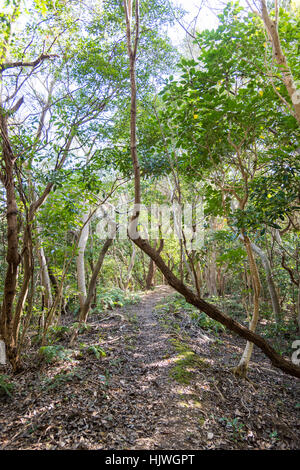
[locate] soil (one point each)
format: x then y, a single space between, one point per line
130 399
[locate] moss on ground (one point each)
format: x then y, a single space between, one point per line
187 363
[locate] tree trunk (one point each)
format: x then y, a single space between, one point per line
45 278
269 277
152 266
92 285
220 282
12 255
83 238
28 265
243 365
211 275
272 30
130 267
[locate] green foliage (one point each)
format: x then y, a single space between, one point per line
275 195
177 304
110 298
93 349
55 353
207 323
281 328
282 334
57 333
221 116
6 387
83 327
234 426
61 379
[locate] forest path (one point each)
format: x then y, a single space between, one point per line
159 415
134 398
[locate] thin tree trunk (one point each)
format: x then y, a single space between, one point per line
91 290
152 266
28 264
272 30
45 278
93 282
130 267
211 267
83 238
269 277
243 365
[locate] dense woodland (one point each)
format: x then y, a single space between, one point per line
150 221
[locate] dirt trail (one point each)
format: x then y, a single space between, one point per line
131 400
162 420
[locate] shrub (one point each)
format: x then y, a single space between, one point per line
60 379
111 298
55 353
6 387
207 323
176 304
57 333
95 349
83 327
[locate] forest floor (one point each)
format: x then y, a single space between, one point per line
153 390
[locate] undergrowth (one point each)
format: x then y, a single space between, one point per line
108 299
6 387
176 313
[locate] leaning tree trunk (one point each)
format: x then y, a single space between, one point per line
213 312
